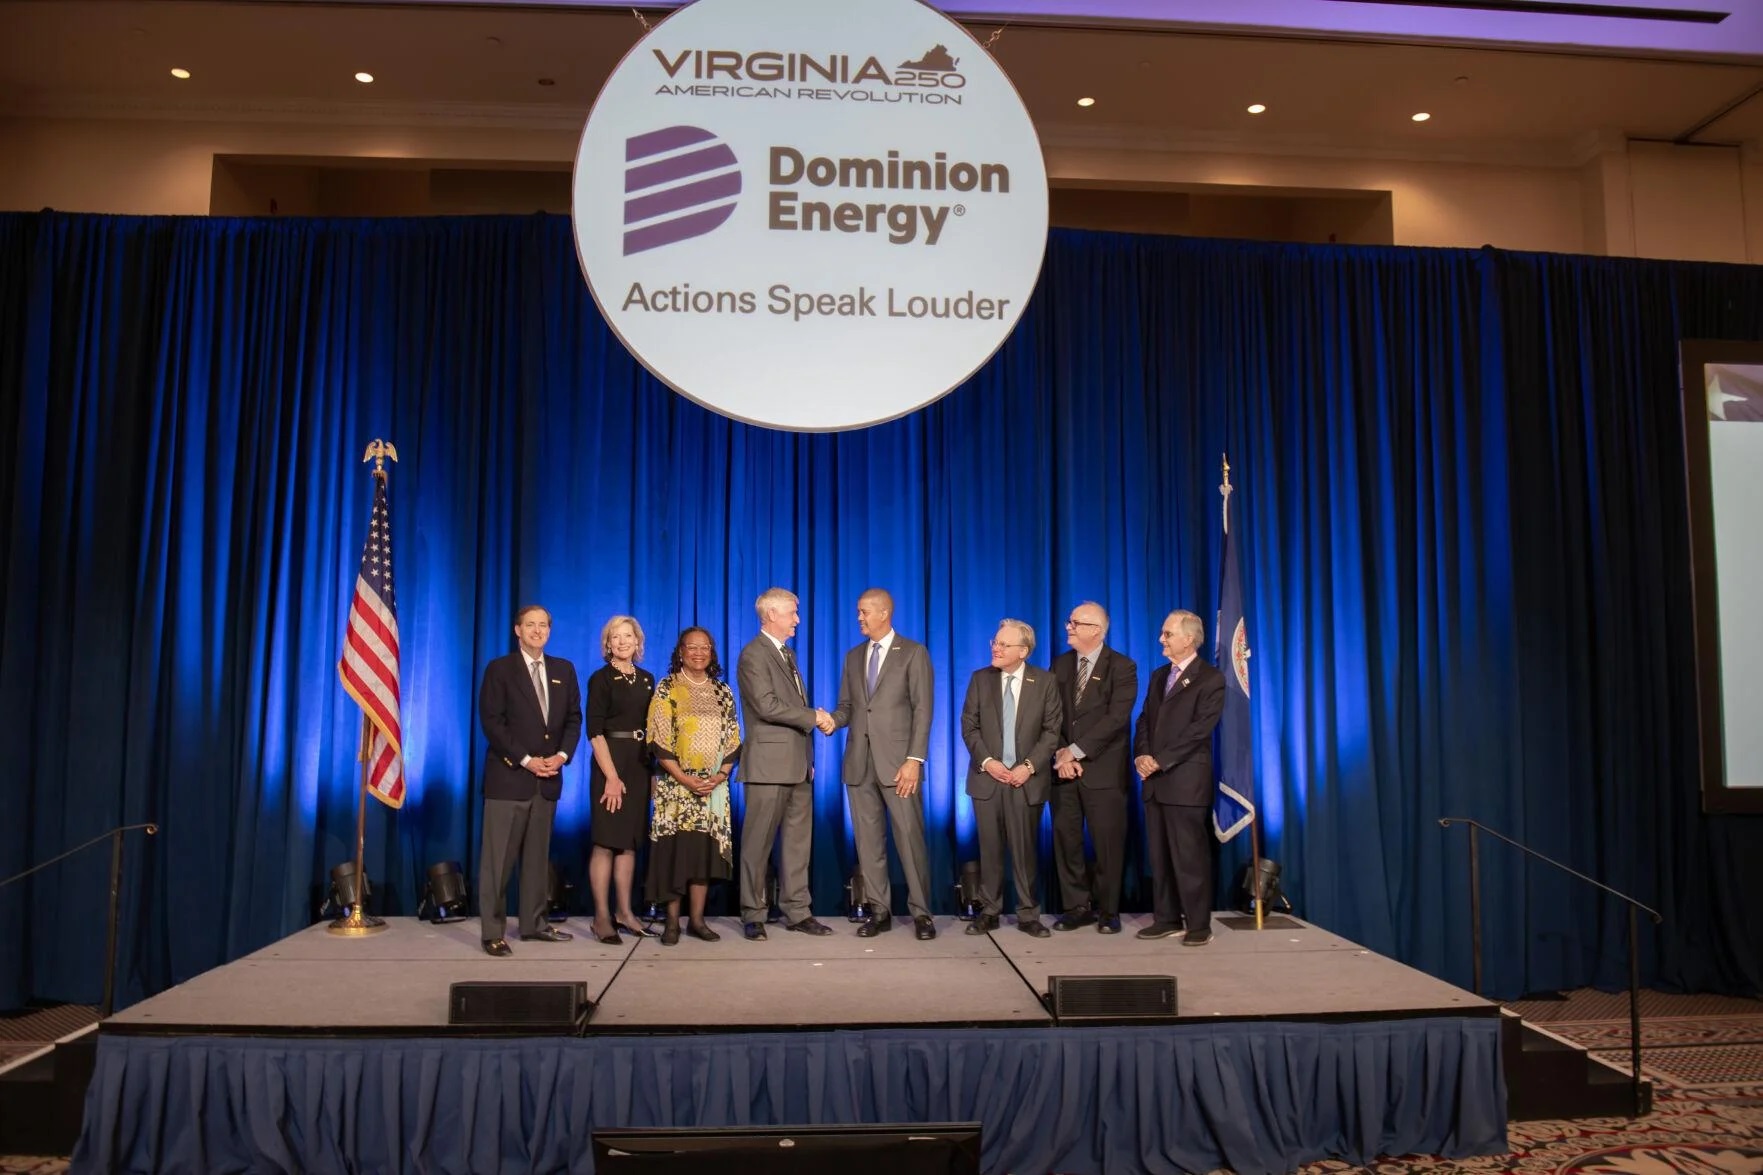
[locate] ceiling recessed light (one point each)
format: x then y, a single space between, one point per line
1257 108
1086 101
180 73
364 78
1421 117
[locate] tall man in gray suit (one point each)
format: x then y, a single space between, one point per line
1010 722
885 698
779 769
531 708
1097 688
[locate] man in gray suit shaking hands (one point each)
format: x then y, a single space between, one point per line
779 769
1010 722
885 699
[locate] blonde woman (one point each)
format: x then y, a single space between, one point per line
695 740
618 707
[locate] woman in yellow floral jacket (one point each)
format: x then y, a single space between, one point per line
696 741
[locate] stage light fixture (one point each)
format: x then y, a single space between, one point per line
1264 889
1257 108
444 898
181 74
857 905
364 78
967 905
344 891
1422 116
1086 101
557 895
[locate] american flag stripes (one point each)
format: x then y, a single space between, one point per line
369 668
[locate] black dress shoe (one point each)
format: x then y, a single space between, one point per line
549 934
1034 928
702 930
809 926
924 928
983 924
875 926
755 931
670 935
1074 919
498 947
1196 938
1108 924
611 940
1159 930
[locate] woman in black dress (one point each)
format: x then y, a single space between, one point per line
617 709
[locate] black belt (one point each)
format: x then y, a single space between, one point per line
636 734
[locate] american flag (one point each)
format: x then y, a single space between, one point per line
369 667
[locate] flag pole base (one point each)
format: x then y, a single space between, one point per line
357 924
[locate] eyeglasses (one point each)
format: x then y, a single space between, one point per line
1008 645
696 649
1083 624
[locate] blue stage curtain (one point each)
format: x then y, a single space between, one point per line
1461 510
1257 1098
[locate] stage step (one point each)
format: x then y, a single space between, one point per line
1549 1077
43 1098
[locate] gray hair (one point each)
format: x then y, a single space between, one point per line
1027 631
1190 624
772 600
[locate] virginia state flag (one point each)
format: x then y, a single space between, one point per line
1233 806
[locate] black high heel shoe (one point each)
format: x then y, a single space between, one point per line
670 935
610 940
639 931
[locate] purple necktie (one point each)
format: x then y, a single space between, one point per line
1174 676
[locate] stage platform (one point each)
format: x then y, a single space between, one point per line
1291 1044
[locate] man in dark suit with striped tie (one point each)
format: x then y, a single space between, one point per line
1173 745
1097 689
531 709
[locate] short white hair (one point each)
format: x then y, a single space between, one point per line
773 600
1027 631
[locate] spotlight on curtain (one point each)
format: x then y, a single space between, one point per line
443 898
857 906
558 893
344 892
1265 889
967 892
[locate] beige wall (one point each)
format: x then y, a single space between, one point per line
1644 199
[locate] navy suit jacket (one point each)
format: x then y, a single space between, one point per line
1177 732
508 706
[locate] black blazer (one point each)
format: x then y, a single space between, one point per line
508 706
1102 723
1177 732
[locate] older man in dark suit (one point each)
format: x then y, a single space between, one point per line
885 698
1173 745
1010 723
1097 689
778 764
531 709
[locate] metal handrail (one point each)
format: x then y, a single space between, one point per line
1635 905
115 838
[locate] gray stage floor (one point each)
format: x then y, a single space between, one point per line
397 981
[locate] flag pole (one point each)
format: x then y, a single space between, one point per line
1254 807
358 922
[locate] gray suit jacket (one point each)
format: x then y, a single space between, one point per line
1038 715
891 725
774 746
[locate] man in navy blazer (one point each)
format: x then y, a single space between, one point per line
531 709
1173 749
1009 775
1097 689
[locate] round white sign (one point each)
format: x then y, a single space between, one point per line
810 214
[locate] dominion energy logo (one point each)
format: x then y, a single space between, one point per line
810 214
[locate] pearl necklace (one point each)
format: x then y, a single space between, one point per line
693 680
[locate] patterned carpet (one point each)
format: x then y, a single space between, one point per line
1704 1054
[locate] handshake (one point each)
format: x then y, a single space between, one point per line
823 721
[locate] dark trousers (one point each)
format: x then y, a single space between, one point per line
1008 819
514 830
1180 845
1104 809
